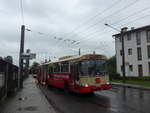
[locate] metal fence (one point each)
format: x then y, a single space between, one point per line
8 78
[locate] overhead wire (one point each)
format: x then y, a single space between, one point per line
137 19
132 21
125 18
22 11
114 13
93 17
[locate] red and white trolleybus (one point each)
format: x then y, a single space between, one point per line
81 74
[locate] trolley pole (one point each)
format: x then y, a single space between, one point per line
20 57
79 51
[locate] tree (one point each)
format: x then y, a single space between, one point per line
35 64
112 67
1 57
33 67
9 59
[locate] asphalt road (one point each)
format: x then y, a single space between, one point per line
116 100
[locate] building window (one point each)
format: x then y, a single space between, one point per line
130 67
129 51
148 51
121 67
128 36
149 67
140 70
121 52
138 38
2 79
148 36
120 39
139 53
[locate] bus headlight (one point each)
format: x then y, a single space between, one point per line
108 83
86 85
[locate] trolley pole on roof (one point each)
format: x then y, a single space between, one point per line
79 52
20 80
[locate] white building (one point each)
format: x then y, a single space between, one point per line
137 51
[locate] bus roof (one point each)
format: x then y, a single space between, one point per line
87 56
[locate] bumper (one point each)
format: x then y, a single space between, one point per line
94 88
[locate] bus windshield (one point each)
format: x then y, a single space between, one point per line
93 67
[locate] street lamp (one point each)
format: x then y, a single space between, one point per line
123 53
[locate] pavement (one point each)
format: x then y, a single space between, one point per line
130 86
30 99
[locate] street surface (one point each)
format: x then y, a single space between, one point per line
116 100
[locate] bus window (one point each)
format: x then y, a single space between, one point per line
45 68
50 71
93 67
75 71
56 68
65 67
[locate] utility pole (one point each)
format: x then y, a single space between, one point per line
123 53
20 78
123 30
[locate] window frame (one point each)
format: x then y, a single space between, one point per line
62 67
121 52
148 36
131 68
139 53
129 36
56 68
148 51
138 38
130 51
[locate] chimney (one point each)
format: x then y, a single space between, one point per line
94 52
132 28
124 29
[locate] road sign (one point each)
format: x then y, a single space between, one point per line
33 55
28 55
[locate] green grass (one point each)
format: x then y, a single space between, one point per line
142 83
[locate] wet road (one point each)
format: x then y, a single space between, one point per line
116 100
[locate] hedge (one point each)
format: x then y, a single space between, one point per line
143 78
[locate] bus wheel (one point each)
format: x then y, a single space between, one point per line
66 90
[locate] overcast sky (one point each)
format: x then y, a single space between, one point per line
74 24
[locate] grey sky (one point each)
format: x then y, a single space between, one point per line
67 19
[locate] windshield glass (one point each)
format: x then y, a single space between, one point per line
94 67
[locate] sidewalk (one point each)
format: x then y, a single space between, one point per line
28 100
130 86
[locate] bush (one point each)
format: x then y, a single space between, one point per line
134 78
138 78
114 76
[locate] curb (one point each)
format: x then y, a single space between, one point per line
55 108
130 86
48 100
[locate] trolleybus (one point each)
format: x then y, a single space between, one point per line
81 74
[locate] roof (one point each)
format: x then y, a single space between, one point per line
134 30
79 57
4 61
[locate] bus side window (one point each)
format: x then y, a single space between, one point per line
75 71
50 71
